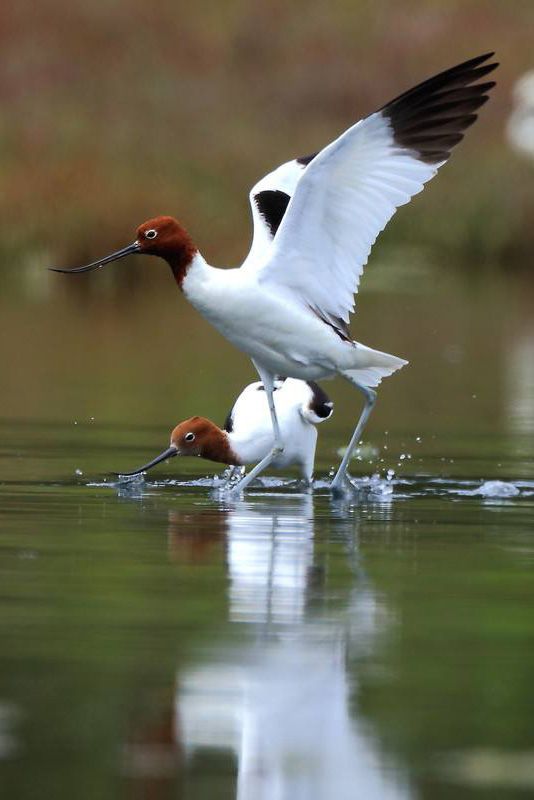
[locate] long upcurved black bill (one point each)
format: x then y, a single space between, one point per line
168 453
126 251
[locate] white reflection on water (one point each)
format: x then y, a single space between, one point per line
9 743
270 556
520 384
280 702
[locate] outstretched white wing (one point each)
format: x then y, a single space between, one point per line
352 188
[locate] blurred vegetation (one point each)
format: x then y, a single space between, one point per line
114 112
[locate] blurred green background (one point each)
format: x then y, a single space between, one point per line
115 112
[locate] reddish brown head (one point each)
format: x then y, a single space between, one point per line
198 436
195 437
160 236
166 238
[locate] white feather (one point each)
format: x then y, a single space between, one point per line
341 202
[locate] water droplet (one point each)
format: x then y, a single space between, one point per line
29 554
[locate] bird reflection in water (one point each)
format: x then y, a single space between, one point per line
275 701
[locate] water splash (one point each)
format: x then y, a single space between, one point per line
378 487
495 489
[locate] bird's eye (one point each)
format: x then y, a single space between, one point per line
151 234
189 437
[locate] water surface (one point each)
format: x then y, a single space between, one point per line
160 640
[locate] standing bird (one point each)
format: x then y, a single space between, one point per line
315 221
247 436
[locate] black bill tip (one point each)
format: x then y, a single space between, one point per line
170 452
130 250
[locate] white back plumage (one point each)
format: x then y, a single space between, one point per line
300 406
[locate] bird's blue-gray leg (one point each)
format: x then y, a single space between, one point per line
267 379
370 399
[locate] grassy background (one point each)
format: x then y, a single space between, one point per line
112 112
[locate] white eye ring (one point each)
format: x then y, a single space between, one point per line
151 234
189 437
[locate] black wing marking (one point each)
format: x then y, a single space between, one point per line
229 421
272 203
337 324
272 206
320 403
430 118
305 160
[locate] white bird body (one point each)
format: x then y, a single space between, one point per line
248 434
283 336
251 436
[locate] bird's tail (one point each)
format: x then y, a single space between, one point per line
375 366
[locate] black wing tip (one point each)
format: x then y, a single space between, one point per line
482 88
471 65
430 118
478 59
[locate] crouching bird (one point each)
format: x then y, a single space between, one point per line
247 436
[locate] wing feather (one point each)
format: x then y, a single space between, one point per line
350 190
